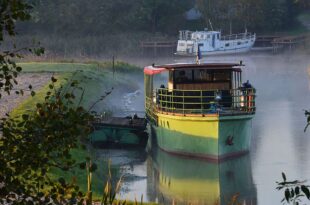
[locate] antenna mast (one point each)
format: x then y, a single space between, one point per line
211 25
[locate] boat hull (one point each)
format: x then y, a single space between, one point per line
119 132
210 137
119 138
217 52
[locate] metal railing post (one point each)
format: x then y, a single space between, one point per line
160 99
183 104
172 102
201 105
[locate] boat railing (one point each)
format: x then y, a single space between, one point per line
224 102
240 36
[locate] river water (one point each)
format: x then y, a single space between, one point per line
279 143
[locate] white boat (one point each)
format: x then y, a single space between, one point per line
213 43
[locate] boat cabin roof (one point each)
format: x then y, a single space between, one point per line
205 32
156 69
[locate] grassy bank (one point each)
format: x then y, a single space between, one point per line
96 78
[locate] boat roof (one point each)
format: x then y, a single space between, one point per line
203 32
156 69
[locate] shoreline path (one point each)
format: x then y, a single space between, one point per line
9 102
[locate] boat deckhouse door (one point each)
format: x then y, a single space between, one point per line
213 40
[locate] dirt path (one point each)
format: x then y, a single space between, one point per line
9 102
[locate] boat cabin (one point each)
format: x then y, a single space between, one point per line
203 78
213 42
199 88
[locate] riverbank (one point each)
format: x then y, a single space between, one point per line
96 78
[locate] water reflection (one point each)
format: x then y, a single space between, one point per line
189 181
279 143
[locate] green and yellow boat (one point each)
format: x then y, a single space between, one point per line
202 111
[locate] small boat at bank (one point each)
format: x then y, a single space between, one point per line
119 132
213 43
203 111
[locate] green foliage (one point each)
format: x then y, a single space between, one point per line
256 15
10 12
163 16
294 191
81 17
34 143
99 27
303 4
160 16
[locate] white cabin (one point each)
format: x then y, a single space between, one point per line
212 42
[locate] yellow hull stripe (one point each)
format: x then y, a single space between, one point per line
207 126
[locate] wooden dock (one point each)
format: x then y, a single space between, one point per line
264 42
158 47
290 42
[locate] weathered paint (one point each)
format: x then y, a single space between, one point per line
205 137
239 129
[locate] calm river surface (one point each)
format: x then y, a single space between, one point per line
279 143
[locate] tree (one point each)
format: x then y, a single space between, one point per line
11 11
34 143
303 4
147 15
31 144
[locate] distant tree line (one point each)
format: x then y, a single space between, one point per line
99 17
99 26
257 15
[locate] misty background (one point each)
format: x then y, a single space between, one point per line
97 28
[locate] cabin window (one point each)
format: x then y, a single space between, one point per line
218 36
181 44
202 75
227 44
221 76
183 76
208 36
239 43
